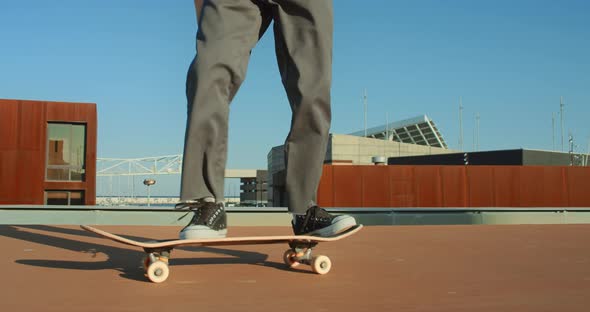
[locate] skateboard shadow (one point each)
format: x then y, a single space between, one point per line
126 260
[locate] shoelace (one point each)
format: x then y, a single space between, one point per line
315 214
210 214
188 209
183 216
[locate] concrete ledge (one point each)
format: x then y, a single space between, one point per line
247 216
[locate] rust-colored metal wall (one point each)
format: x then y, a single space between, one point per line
454 186
23 140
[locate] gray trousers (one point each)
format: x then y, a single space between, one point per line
228 30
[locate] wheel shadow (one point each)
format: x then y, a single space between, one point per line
126 261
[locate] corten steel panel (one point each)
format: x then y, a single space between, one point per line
578 182
453 186
402 187
31 162
8 149
21 157
375 188
347 186
531 187
29 177
31 132
428 186
8 175
72 112
8 125
480 186
542 186
506 186
554 186
458 186
325 189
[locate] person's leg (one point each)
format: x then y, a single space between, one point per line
228 30
303 38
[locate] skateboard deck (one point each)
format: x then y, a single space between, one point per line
300 252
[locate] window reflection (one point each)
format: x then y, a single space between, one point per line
66 152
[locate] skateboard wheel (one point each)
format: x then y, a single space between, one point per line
158 271
289 258
321 265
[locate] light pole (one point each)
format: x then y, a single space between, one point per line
148 183
461 123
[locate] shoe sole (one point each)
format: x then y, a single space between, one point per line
202 233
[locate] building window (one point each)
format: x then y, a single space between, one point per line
66 152
64 198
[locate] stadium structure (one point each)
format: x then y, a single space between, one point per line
419 130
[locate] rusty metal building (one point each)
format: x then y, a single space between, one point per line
47 153
454 186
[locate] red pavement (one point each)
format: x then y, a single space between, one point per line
396 268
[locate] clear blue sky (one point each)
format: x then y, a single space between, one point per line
510 60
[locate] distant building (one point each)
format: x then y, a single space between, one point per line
515 157
415 136
254 189
47 153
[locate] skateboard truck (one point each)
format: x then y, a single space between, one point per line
301 252
155 263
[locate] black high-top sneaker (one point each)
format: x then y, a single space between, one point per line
209 221
318 222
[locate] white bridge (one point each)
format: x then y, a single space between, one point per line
120 180
159 165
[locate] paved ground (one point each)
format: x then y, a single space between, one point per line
401 268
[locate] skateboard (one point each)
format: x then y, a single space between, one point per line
155 263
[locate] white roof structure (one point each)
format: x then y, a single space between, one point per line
160 165
419 130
